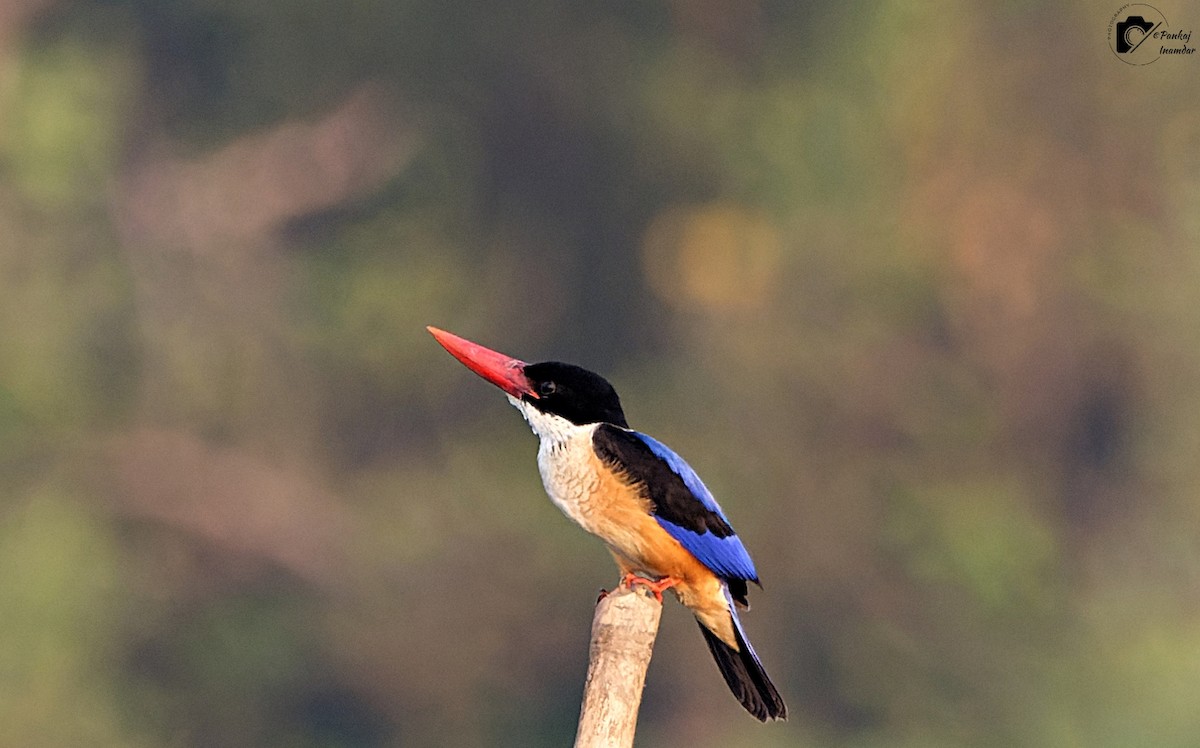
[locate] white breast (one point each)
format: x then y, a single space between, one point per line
565 462
569 477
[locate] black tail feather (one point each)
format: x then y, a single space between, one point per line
746 676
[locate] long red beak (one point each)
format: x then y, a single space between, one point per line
505 372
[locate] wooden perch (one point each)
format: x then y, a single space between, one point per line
623 632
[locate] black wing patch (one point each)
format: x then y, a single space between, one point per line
672 499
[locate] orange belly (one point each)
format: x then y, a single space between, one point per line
622 519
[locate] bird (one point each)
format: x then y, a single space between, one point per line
659 521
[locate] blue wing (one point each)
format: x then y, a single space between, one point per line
722 552
683 505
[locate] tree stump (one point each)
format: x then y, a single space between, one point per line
623 631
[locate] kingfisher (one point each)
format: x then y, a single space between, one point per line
659 521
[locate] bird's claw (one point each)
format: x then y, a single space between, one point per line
656 586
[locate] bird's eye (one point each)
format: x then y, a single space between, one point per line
545 389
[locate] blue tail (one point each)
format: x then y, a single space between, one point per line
744 673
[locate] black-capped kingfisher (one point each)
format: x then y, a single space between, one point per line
661 524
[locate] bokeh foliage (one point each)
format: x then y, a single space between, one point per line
914 286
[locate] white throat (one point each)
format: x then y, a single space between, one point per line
551 429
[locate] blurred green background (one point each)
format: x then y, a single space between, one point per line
915 287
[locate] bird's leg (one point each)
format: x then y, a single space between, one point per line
656 586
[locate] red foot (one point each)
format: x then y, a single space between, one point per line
656 586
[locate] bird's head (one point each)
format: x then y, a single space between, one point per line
544 392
